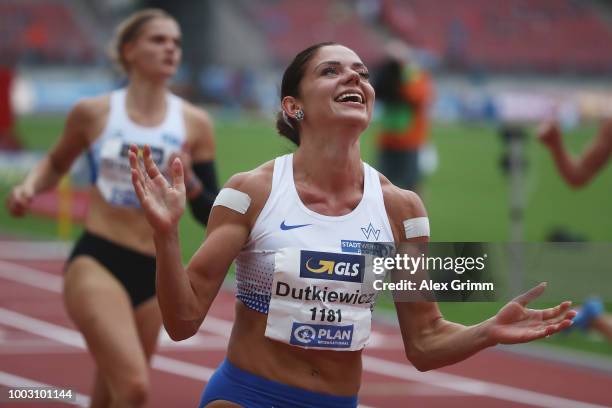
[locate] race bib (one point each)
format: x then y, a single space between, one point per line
321 300
115 178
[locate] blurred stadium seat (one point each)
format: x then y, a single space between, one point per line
43 32
506 35
293 25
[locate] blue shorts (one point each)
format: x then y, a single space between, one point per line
233 384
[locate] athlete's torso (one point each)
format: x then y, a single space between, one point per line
285 222
114 211
109 153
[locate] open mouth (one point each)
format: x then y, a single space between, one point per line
350 97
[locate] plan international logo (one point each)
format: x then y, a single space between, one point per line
319 335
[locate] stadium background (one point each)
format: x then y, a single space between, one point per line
495 64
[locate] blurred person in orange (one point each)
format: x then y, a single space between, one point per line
109 285
405 91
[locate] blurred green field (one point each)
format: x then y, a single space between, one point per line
467 197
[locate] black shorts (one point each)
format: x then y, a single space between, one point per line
135 271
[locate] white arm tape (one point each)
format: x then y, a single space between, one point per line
416 227
233 199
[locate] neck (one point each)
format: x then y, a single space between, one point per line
145 96
331 160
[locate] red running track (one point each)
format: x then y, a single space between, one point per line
39 345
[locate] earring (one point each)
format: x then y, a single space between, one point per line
299 115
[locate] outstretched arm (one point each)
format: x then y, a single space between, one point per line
47 173
430 341
578 172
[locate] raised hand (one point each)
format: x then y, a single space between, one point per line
20 200
185 157
549 134
515 323
192 183
162 202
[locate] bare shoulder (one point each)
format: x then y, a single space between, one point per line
86 120
84 123
199 127
195 116
400 205
257 184
88 116
92 108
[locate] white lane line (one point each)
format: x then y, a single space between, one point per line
403 389
17 344
198 341
41 328
48 281
11 380
470 386
217 326
406 372
441 380
34 251
31 276
73 338
182 368
54 283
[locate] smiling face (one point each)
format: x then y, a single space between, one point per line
156 50
335 87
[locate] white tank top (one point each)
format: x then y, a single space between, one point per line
308 271
109 154
285 221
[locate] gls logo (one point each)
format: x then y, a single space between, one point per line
332 266
157 154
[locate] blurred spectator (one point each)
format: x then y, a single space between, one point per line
592 316
369 10
457 44
578 173
7 118
404 90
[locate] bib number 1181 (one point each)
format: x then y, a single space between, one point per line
326 315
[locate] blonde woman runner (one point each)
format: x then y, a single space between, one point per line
109 286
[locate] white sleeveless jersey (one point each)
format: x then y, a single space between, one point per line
109 154
297 261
